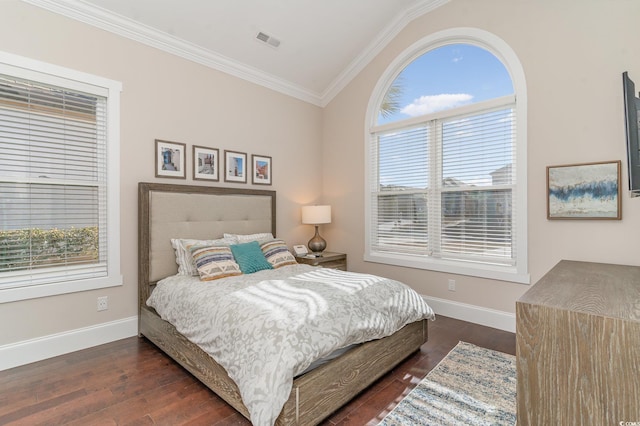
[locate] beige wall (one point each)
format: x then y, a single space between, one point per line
573 54
169 98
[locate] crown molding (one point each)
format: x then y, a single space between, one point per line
98 17
103 19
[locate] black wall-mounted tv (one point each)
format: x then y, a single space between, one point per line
632 121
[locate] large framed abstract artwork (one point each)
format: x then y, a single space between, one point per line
584 191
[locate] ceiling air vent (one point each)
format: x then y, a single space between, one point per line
266 38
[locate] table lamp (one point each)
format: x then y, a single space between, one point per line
316 215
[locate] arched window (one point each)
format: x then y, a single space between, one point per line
446 172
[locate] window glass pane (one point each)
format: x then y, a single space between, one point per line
477 223
56 142
403 159
478 150
48 225
400 191
402 222
444 78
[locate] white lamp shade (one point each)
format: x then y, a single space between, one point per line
316 215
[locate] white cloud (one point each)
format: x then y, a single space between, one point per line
457 55
428 104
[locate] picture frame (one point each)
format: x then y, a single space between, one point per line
235 166
170 159
206 163
261 169
584 191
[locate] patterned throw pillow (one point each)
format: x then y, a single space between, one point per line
277 253
214 262
250 257
186 266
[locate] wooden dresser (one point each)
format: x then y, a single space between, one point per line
578 346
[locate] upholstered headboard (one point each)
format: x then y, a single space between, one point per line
168 211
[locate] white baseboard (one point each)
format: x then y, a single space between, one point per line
471 313
28 351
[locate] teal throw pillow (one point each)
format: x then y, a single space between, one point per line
250 257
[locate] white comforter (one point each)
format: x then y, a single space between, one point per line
267 327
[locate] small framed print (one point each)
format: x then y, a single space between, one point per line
235 166
170 159
261 170
205 163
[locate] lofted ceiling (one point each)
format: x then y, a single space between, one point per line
323 44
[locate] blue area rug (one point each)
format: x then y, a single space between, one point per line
470 386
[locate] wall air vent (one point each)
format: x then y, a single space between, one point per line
266 38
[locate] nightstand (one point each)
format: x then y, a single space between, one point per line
328 260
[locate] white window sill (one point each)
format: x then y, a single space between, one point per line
496 272
8 295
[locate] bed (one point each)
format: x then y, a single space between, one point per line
168 211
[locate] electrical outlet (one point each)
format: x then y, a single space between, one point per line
452 285
103 303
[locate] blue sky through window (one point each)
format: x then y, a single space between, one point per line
448 77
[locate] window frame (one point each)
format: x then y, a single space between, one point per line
496 46
34 70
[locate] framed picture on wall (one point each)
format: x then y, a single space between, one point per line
584 191
170 159
261 170
235 166
205 163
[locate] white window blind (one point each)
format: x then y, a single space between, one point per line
53 184
477 186
443 185
401 191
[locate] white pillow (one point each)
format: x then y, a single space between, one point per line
186 265
247 238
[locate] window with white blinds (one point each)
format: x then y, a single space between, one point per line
458 206
443 190
56 219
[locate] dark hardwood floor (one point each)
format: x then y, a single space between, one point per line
131 382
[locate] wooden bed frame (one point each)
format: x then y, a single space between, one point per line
168 211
